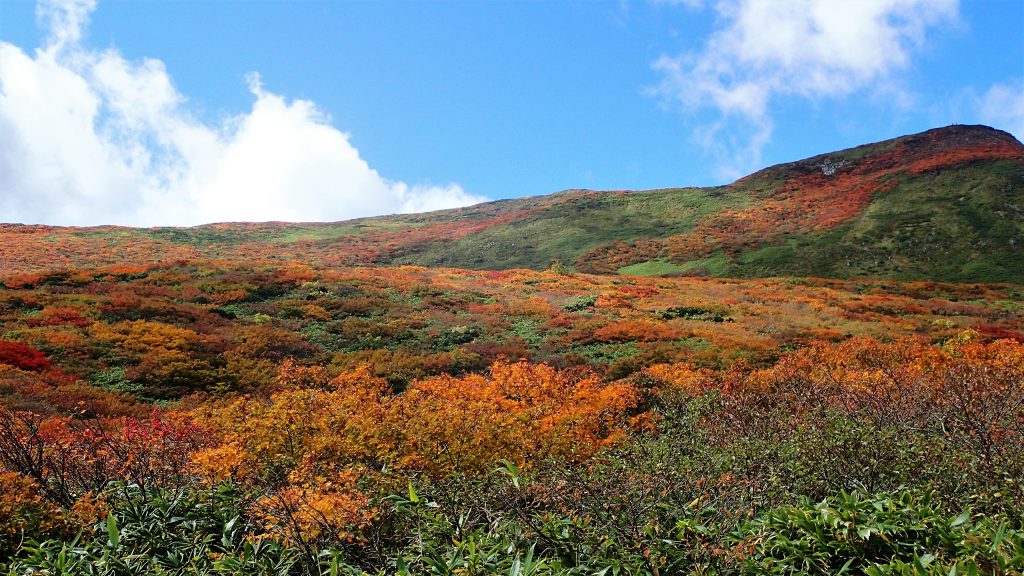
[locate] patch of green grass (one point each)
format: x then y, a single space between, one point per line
566 230
768 260
717 264
319 233
580 303
528 330
339 230
607 352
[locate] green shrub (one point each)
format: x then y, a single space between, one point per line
878 534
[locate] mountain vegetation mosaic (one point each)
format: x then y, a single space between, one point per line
818 369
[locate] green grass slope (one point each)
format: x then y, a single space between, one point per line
961 224
564 231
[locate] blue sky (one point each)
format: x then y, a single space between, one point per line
181 113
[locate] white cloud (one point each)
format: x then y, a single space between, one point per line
66 20
1002 106
88 137
811 49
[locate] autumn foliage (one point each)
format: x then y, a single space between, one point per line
25 514
318 449
313 400
70 457
23 357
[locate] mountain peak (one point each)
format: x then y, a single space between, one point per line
916 153
966 135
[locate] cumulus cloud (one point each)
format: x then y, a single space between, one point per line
810 49
90 137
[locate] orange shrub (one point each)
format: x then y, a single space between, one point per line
311 446
24 514
520 412
682 377
635 331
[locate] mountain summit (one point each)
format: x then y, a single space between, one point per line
945 204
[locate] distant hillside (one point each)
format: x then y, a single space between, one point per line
946 204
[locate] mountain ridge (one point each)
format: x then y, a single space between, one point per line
944 204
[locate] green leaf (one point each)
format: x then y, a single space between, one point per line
510 469
113 534
959 520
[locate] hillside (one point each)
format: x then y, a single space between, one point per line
946 204
258 399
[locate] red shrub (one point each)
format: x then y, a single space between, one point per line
996 332
22 356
